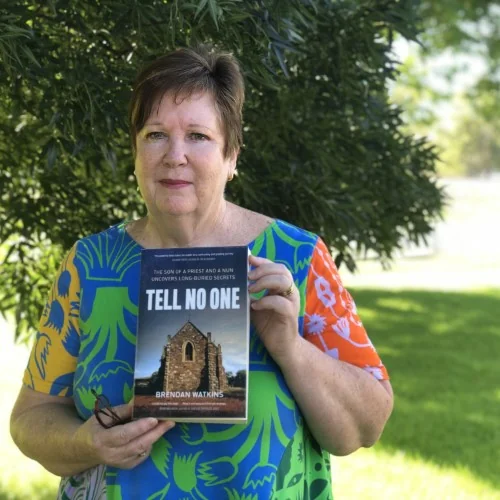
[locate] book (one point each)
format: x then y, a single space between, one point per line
192 344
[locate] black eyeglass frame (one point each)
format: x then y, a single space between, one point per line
102 406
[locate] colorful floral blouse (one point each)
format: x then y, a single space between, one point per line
86 340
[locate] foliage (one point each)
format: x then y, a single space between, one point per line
472 146
466 138
238 380
324 149
467 33
464 26
416 97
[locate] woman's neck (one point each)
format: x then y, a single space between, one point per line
182 231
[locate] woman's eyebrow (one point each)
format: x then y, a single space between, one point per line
194 125
197 125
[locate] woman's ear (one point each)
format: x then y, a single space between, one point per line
233 160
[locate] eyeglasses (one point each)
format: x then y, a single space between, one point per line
102 406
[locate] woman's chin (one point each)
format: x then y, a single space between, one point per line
174 209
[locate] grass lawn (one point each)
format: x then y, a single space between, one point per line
20 478
443 439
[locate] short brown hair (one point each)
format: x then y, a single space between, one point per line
185 72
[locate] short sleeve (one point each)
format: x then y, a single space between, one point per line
53 359
331 319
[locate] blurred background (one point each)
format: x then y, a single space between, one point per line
429 296
433 312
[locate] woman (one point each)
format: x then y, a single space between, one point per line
316 385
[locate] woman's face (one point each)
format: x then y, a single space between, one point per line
180 166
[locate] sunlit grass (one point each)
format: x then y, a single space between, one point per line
443 439
20 478
376 474
27 488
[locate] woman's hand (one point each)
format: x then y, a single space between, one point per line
275 315
123 446
48 429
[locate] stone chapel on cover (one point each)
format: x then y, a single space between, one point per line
190 361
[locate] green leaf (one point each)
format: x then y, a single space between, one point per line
161 456
201 5
214 12
128 393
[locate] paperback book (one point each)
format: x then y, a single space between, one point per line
192 346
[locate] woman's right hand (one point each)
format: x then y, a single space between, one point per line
125 445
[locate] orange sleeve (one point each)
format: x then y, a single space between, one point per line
331 321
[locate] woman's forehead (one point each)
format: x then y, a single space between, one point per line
197 108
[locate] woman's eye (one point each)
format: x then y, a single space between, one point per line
154 136
198 137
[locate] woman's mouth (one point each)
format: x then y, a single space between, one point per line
174 183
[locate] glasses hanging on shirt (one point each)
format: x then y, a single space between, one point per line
102 408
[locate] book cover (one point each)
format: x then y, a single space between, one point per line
192 351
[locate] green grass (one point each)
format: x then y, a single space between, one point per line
20 478
442 351
443 439
42 489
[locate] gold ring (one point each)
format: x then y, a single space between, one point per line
288 292
142 455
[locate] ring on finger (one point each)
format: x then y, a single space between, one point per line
288 292
142 455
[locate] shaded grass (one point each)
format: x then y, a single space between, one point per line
442 351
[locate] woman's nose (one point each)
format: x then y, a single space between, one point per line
175 153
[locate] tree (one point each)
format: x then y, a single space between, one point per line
471 26
468 34
324 149
472 147
240 379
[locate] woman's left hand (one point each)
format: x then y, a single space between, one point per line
275 315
